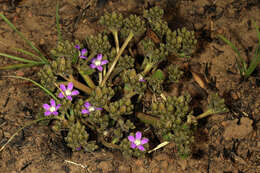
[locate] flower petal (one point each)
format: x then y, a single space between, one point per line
53 103
62 87
104 62
99 109
93 66
55 113
61 95
138 135
69 98
77 47
58 106
70 86
75 92
144 141
83 57
100 68
131 138
83 51
133 145
140 147
47 113
93 60
46 106
99 57
87 104
84 111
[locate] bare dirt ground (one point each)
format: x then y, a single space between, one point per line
227 143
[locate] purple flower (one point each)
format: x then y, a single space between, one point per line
89 109
51 109
81 52
137 141
68 91
141 78
97 62
78 148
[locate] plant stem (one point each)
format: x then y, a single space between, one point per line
128 39
148 119
147 68
205 114
87 79
79 85
115 34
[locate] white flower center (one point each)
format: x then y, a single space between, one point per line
52 109
68 92
97 63
91 108
137 142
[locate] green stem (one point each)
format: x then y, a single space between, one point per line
115 34
87 79
147 68
148 119
128 39
205 114
29 124
79 85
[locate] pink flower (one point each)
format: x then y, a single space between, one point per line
137 141
97 62
89 109
51 109
82 52
68 92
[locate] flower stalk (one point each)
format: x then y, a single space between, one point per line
128 39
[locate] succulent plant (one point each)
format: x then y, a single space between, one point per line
112 21
181 42
99 92
174 73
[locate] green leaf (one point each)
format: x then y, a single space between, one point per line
256 59
240 62
18 58
17 66
42 58
158 74
37 84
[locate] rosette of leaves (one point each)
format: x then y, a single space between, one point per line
181 42
47 77
66 49
121 107
78 137
113 21
153 14
132 83
153 55
174 73
160 28
98 43
101 96
135 24
172 126
157 24
155 82
217 104
49 73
